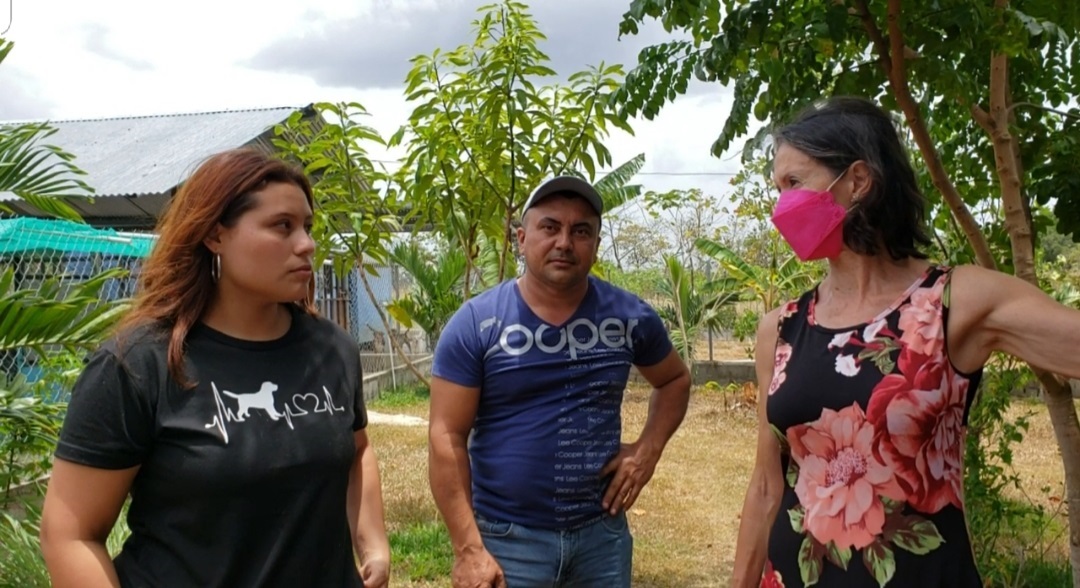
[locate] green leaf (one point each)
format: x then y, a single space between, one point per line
880 561
884 363
55 207
839 557
5 48
796 516
781 438
792 476
810 561
40 318
891 506
917 535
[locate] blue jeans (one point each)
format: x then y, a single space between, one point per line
598 554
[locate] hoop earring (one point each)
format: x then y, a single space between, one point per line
215 268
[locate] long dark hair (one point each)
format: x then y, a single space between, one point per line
175 284
842 130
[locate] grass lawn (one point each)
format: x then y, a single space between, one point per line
687 518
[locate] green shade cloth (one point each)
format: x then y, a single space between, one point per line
24 235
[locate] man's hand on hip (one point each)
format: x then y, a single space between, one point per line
632 467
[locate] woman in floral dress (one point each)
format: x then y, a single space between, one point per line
867 379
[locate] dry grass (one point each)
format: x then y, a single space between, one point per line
723 350
686 520
1037 461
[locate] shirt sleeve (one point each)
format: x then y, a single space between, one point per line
651 340
458 355
110 421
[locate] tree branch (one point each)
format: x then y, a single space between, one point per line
466 245
394 345
584 127
510 206
1044 108
1016 220
457 132
881 46
891 58
982 118
897 70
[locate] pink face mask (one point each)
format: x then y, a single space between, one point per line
811 222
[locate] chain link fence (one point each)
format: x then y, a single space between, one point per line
357 302
36 250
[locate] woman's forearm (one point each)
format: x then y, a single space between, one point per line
79 564
370 538
751 549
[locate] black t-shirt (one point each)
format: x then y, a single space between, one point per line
243 479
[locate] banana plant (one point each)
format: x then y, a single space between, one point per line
771 284
615 188
693 308
40 318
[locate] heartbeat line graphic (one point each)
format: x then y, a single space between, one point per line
300 405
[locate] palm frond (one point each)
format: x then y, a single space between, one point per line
42 175
735 265
615 188
5 48
40 318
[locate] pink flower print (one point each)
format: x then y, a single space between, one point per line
921 321
918 414
840 480
771 578
780 360
789 309
847 365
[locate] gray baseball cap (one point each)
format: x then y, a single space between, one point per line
571 184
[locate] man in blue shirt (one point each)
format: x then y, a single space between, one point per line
526 461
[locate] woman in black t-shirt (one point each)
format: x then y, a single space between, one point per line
230 413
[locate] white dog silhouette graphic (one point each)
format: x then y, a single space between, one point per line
262 400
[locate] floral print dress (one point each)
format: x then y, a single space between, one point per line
871 422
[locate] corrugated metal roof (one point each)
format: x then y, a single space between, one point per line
142 155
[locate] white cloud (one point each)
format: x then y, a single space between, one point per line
77 59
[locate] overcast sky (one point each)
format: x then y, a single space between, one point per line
75 59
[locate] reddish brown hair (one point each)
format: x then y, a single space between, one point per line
175 285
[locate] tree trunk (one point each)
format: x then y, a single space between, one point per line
614 246
996 123
469 262
386 325
1059 403
504 254
1058 393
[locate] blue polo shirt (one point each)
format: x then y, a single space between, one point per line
549 417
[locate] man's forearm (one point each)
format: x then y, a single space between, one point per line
667 408
451 482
